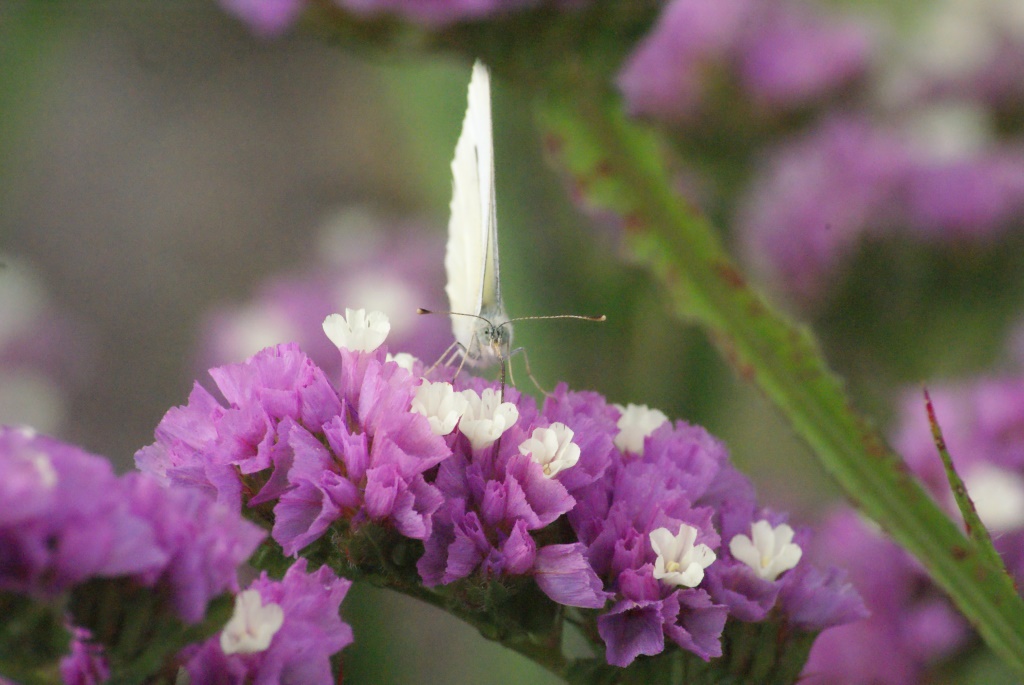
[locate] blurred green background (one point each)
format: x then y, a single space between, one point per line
156 159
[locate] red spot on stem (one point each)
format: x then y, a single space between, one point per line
730 274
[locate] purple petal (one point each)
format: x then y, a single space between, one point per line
414 509
518 551
564 574
468 549
697 624
301 515
630 629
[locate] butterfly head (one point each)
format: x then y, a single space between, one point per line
493 339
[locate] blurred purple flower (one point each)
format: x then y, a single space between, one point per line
394 273
287 636
664 78
437 12
273 17
266 17
86 664
818 197
973 197
204 542
67 518
782 52
44 352
790 54
911 624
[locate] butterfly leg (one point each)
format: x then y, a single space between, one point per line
449 353
529 372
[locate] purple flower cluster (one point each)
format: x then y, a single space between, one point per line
67 519
290 437
281 632
847 181
594 502
780 52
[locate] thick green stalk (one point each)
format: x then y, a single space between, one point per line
618 165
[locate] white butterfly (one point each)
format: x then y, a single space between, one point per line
479 322
482 328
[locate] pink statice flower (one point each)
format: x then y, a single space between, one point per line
281 632
603 507
498 491
318 451
68 519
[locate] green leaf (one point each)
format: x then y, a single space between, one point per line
976 530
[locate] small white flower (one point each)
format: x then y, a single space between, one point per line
679 561
770 552
37 463
403 359
998 497
358 330
486 417
252 625
442 406
552 448
636 423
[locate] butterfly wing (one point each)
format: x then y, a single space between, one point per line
471 260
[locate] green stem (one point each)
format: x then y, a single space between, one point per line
618 166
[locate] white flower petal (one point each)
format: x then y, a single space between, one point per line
252 625
552 448
768 551
679 562
486 417
358 330
403 359
998 495
442 406
636 423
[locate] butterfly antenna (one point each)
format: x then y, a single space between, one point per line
421 310
596 319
